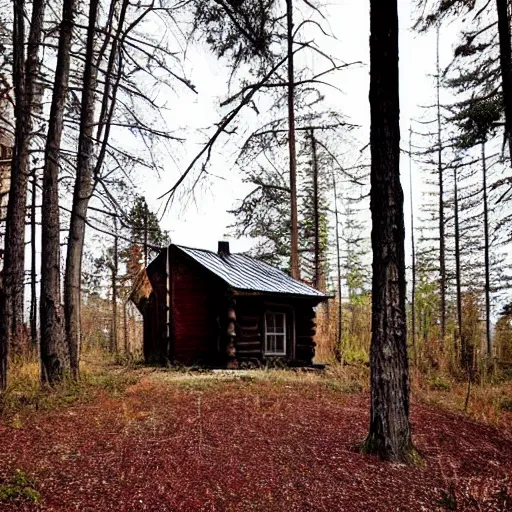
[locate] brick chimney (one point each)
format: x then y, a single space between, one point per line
223 249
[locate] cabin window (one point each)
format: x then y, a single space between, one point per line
275 333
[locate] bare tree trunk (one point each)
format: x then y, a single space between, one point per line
115 263
11 312
390 433
294 240
457 270
317 257
338 353
125 327
54 350
442 260
506 67
486 257
12 299
84 185
33 264
413 251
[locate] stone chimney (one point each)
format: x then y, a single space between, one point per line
223 249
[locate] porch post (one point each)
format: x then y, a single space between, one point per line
232 362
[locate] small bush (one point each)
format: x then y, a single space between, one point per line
437 383
19 487
506 404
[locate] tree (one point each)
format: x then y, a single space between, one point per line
24 78
54 350
266 32
502 10
81 195
390 432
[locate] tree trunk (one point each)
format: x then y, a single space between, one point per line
390 433
486 256
33 263
338 354
506 67
115 264
11 312
463 348
125 327
294 240
84 185
12 299
413 263
317 280
442 257
54 350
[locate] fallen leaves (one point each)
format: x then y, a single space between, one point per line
246 446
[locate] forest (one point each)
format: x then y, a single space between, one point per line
359 153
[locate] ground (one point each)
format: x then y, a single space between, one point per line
261 441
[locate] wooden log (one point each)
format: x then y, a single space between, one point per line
306 345
250 329
250 319
253 337
241 344
246 352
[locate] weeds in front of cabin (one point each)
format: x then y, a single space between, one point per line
19 487
25 392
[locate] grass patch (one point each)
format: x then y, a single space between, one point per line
438 383
19 487
26 394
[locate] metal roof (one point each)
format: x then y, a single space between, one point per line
242 272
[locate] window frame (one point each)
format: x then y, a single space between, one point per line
267 333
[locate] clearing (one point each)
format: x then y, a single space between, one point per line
161 440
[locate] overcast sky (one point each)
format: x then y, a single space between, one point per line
203 221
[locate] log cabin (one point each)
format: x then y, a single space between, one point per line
221 309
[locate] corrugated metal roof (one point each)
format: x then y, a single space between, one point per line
242 272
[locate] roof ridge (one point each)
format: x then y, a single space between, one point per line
244 272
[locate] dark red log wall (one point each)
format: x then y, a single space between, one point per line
197 297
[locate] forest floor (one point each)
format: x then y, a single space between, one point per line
153 439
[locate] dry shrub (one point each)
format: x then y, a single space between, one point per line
356 331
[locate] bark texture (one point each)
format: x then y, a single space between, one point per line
54 350
24 73
317 280
413 258
294 239
458 285
390 433
488 338
84 185
442 251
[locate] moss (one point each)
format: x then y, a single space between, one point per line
407 454
20 487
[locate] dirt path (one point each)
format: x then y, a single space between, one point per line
247 445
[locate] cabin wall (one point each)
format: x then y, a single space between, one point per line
250 328
196 299
305 328
155 313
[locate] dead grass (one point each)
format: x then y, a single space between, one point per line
490 402
25 394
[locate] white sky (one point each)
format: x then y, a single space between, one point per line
201 223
